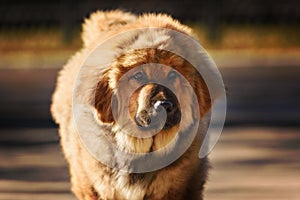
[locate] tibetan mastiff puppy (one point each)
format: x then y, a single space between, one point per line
134 62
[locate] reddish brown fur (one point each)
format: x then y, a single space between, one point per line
102 104
144 56
181 180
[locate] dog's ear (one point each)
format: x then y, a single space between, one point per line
203 96
103 98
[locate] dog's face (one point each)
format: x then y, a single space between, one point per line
151 95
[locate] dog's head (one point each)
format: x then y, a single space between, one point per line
158 88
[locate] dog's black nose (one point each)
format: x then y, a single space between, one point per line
167 105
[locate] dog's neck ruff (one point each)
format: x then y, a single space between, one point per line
95 138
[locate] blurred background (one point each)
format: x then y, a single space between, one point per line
254 43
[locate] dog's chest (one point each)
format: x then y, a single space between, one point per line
154 185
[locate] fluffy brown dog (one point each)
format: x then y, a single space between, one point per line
137 62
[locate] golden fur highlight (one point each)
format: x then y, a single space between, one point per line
90 179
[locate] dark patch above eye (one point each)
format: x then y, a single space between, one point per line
172 75
139 76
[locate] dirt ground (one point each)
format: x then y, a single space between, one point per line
248 163
256 163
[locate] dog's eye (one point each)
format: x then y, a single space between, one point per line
172 75
139 76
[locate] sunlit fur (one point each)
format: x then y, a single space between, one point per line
90 179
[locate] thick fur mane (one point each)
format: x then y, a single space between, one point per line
94 68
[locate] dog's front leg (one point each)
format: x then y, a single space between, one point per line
82 188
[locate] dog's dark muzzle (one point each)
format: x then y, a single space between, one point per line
161 106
